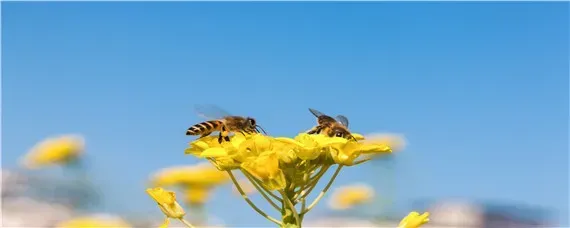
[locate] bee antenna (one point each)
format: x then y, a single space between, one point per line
259 127
352 136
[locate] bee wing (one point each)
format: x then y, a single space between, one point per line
316 113
343 120
210 111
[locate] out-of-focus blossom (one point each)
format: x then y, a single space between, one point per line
340 222
246 186
166 201
202 174
94 221
349 196
54 151
396 142
414 220
196 195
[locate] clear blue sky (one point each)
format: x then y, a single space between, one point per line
480 90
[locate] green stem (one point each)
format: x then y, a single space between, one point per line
289 212
186 223
312 184
244 196
320 196
262 190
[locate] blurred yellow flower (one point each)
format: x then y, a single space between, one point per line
94 221
396 142
414 220
246 186
348 196
166 201
202 174
54 151
196 195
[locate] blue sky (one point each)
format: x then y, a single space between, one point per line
479 89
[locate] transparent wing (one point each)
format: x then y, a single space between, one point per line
316 113
208 111
343 120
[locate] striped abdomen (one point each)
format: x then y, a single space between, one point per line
205 128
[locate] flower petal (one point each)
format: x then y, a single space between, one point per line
214 153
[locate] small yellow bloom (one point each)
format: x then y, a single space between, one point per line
246 186
414 220
94 221
346 154
266 168
53 151
166 201
202 174
197 195
346 197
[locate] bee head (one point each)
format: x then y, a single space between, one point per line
341 133
250 122
252 126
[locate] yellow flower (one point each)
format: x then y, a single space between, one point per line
53 151
197 195
346 154
266 168
209 147
202 174
414 220
94 221
310 147
166 201
351 195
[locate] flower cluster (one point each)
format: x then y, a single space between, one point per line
290 167
276 160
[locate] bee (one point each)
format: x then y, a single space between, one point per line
223 122
329 126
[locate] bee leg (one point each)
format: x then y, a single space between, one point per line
227 138
220 137
315 130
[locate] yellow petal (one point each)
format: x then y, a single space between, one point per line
289 141
375 148
200 144
357 136
166 201
329 141
214 153
414 220
261 143
165 223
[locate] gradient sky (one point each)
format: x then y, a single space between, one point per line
479 89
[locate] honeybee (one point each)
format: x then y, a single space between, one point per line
332 127
223 122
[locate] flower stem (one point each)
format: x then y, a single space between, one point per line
288 203
262 190
320 196
186 223
312 184
244 196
